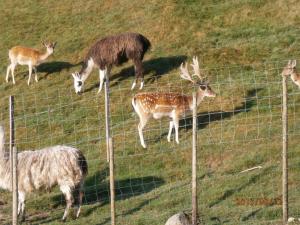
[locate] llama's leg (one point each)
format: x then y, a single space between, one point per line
142 124
66 190
7 72
138 66
21 205
12 67
35 74
102 74
170 131
133 84
30 72
79 196
135 79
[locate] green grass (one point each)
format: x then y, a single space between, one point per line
242 45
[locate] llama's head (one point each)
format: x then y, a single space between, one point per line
78 82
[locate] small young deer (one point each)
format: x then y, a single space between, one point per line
27 56
290 70
173 105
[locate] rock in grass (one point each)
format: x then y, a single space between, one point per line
179 219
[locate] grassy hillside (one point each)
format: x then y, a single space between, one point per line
242 44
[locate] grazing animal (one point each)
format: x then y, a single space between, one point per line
290 70
173 105
27 56
43 169
179 219
113 50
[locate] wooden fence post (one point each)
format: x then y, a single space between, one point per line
13 162
194 164
112 182
110 153
107 116
284 151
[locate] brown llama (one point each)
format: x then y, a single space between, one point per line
113 50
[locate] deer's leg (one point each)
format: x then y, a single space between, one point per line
7 72
170 131
102 74
35 74
142 124
176 125
30 72
12 67
66 190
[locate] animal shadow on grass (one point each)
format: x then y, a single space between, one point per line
157 67
205 118
54 67
97 191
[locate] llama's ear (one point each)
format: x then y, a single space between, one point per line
294 63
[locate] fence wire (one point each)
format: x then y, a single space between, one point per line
237 130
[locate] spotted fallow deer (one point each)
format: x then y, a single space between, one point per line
173 105
290 70
27 56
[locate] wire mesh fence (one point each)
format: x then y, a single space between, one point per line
239 129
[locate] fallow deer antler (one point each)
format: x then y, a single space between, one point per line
196 69
185 73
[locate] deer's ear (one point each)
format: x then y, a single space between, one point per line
294 63
43 43
74 75
54 44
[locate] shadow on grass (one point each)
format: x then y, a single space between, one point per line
124 189
156 67
97 191
55 67
205 118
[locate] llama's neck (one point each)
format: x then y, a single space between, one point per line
87 69
5 174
